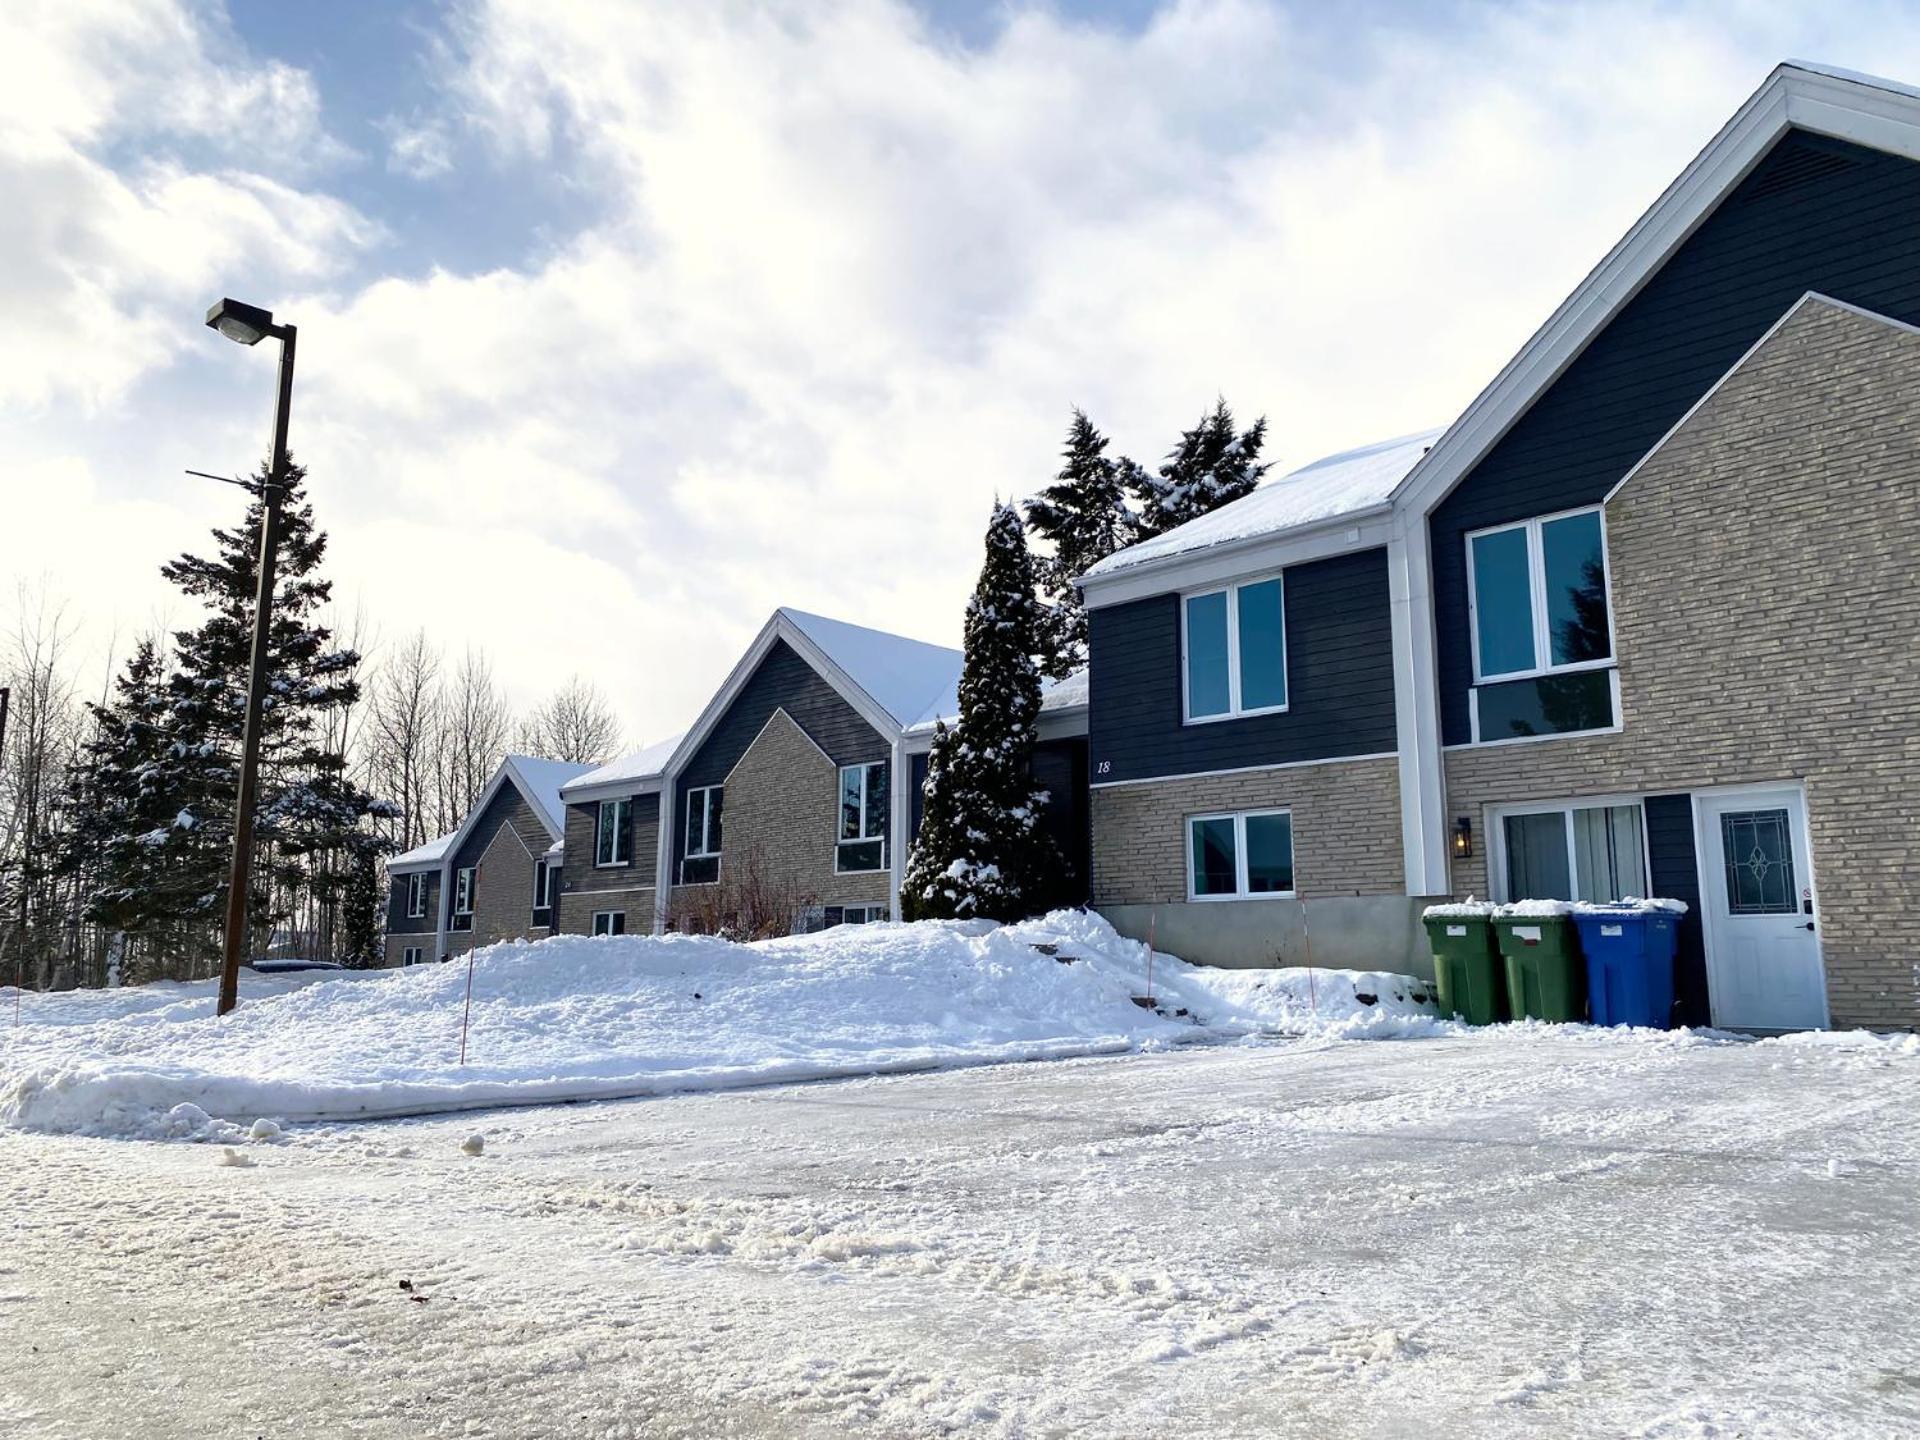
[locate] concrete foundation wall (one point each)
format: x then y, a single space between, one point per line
1366 932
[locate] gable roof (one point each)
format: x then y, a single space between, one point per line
424 856
540 781
1335 487
1820 99
643 767
1063 708
906 678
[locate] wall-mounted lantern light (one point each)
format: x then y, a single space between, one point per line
1463 838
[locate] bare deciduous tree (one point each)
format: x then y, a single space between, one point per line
476 724
574 724
401 738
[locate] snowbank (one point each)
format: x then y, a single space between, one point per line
574 1018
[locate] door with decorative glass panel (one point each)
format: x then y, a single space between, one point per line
1764 970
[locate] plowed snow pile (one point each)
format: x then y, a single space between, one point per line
574 1018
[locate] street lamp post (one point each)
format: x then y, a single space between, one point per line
249 325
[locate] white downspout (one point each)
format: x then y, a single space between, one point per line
897 843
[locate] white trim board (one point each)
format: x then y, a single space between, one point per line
1243 770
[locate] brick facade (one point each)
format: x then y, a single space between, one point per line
397 945
781 815
1346 829
1765 612
503 847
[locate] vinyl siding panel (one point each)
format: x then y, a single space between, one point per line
581 877
398 921
1339 680
1816 214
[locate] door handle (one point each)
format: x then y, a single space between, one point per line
1807 926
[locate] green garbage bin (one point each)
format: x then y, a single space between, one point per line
1545 977
1466 964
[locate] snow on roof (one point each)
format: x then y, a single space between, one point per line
644 764
1056 696
431 853
1857 77
909 679
1350 483
541 781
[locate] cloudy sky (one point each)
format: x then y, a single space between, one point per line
622 323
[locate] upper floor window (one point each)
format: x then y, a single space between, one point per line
416 896
463 891
546 879
863 818
613 833
1539 596
1235 643
702 863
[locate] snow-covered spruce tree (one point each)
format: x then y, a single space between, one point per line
1212 465
1084 517
129 848
311 826
981 851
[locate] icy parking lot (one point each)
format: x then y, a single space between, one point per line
1522 1232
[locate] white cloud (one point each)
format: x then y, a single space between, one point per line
844 279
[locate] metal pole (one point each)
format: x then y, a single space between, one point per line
240 875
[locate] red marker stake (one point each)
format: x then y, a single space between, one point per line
466 1014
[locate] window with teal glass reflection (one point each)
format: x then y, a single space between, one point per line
1236 650
1539 596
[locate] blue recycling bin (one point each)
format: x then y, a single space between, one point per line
1629 954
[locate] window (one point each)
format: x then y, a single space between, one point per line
863 818
463 898
1539 596
702 863
410 955
416 896
1758 847
546 883
1574 852
862 914
609 922
1240 856
1235 641
613 833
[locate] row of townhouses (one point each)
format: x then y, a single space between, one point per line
1642 620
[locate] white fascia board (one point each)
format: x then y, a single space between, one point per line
610 790
1236 559
500 777
1823 104
416 867
869 709
1067 723
539 811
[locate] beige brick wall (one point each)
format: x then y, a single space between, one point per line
782 813
397 946
578 908
1767 614
503 886
1346 829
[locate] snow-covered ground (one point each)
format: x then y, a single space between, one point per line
576 1017
1529 1231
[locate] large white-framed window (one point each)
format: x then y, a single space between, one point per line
609 922
700 863
1240 855
546 877
864 801
1539 596
613 833
1588 849
1233 647
416 896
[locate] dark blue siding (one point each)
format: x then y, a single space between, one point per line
398 921
1675 875
507 807
782 681
1339 680
1816 214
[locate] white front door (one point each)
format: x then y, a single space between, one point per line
1763 948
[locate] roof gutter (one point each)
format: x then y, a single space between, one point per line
1090 582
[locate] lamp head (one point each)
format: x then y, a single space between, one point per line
238 321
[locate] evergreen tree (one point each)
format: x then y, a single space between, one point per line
981 851
1211 466
128 845
1084 516
311 825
